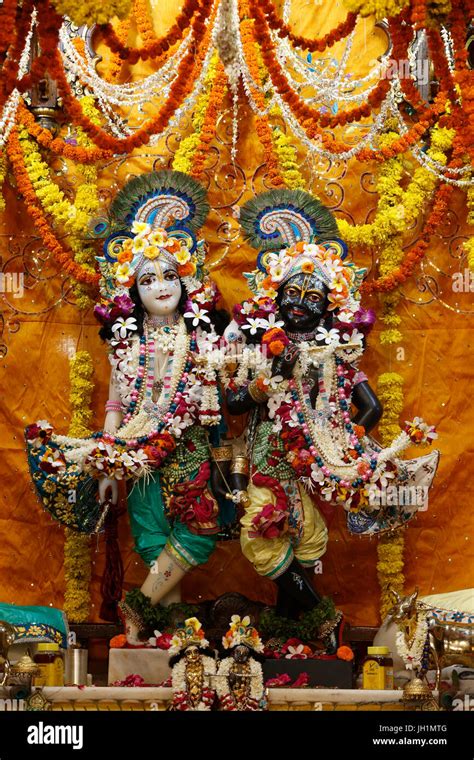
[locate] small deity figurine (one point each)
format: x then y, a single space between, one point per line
163 420
193 667
296 345
7 638
239 680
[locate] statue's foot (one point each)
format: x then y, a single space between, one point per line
133 625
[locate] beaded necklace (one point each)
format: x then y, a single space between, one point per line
311 434
177 387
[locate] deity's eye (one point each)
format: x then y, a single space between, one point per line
146 279
314 297
292 291
171 276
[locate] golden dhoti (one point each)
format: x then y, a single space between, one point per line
306 539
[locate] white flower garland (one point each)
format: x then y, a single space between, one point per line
221 681
178 678
412 655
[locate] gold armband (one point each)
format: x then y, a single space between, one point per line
222 454
240 465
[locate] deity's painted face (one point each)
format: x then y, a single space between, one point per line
303 302
192 654
241 653
159 287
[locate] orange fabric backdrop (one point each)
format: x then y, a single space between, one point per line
42 331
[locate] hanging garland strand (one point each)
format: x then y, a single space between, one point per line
181 87
64 257
209 125
77 554
262 126
341 31
153 49
312 117
58 146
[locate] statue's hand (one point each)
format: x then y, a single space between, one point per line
283 364
106 485
112 422
219 472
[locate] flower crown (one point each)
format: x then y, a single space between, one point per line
190 634
241 632
126 253
323 260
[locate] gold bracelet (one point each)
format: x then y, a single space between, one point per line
256 393
222 454
240 465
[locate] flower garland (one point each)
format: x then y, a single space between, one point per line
335 35
156 47
59 146
414 654
311 117
90 12
209 125
141 14
257 688
379 8
411 260
180 88
181 699
398 209
77 557
287 156
63 256
86 204
262 127
183 158
74 217
3 171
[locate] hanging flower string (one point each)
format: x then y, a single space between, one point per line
63 256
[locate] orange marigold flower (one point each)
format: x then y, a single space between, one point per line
345 653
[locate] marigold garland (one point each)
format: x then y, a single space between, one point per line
156 47
262 127
287 156
307 115
77 554
86 205
141 14
183 158
381 9
209 125
341 31
63 256
390 551
90 12
57 145
3 171
180 88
